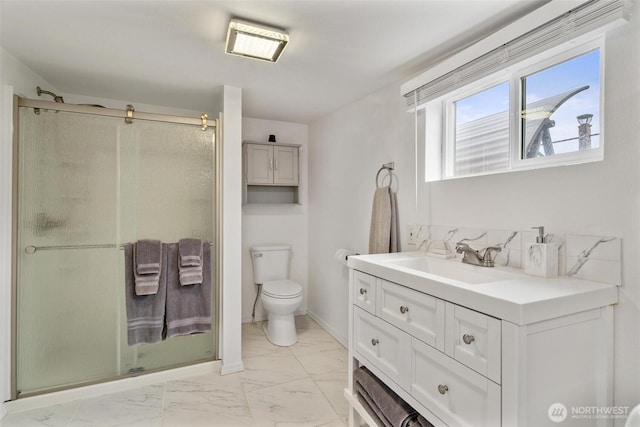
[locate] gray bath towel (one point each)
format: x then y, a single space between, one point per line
148 256
380 231
190 251
188 307
145 313
365 401
387 405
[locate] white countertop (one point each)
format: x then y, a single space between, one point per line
512 296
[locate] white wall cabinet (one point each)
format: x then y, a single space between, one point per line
460 367
270 173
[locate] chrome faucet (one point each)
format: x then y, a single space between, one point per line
484 257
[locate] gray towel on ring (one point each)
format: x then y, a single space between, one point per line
380 231
145 313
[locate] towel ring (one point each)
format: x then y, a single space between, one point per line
388 169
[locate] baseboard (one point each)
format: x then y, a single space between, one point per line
231 369
54 398
339 337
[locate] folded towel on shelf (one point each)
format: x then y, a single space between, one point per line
145 313
384 402
365 401
148 254
190 251
188 307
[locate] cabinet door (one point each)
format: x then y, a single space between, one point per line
454 393
384 346
285 165
474 339
419 314
259 164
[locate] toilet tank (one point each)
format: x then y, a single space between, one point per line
270 262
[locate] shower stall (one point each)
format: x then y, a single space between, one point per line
89 180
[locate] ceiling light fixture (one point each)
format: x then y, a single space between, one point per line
255 40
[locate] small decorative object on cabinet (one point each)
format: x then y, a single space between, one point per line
270 173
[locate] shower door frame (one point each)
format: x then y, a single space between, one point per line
129 116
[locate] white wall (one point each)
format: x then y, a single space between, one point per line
600 198
276 224
346 149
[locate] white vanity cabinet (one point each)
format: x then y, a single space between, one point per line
461 367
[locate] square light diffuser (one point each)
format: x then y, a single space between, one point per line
255 41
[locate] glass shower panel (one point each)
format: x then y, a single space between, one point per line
67 304
166 193
87 184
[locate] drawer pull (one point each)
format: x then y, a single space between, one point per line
374 341
443 389
468 339
403 309
363 291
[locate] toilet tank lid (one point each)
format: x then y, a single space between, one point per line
266 248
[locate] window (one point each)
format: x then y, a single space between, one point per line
544 111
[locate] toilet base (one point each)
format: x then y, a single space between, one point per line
280 330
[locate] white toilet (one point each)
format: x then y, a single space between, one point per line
280 297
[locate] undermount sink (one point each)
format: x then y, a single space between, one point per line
452 269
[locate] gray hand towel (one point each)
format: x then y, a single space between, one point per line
380 231
148 255
145 313
188 307
145 284
190 251
388 406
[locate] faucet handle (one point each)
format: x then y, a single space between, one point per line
487 257
460 247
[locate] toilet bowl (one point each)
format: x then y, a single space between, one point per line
280 297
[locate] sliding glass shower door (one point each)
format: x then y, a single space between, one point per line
86 185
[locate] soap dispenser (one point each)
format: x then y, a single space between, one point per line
541 257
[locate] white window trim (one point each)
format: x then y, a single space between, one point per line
513 74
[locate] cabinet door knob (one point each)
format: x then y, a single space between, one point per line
363 291
403 309
468 339
374 341
443 389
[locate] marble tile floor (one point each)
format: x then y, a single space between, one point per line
300 385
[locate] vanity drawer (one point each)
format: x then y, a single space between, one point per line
383 345
418 314
454 393
364 291
474 339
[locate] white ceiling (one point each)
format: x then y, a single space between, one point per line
171 53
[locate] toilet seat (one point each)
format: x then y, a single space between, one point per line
282 289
